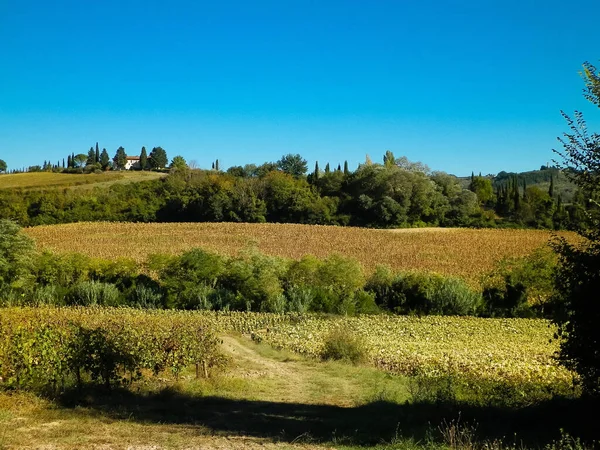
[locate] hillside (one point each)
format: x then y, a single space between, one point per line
51 180
537 178
466 253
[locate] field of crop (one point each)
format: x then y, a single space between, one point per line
467 253
505 350
46 180
502 350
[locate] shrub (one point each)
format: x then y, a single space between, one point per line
422 293
342 345
299 298
365 303
89 293
144 296
521 287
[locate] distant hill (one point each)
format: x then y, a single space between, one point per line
538 178
50 180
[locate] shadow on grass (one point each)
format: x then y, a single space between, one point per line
369 424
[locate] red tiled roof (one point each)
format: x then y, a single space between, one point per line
133 158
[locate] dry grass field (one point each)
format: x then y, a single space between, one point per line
467 253
46 180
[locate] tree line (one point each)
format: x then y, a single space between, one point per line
395 193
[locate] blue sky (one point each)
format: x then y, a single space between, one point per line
459 85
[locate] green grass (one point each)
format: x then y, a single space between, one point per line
48 180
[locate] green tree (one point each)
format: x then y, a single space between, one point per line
346 170
3 166
80 160
389 160
120 159
143 159
294 165
178 163
104 159
316 172
91 157
578 277
158 158
16 256
483 189
97 156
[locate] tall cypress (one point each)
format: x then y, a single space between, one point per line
346 170
327 169
217 165
551 188
316 172
97 153
339 168
143 159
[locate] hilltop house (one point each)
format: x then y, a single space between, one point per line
133 162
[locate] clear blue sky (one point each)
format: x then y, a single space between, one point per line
460 85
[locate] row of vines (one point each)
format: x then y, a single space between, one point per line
51 348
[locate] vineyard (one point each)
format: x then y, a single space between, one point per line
47 344
504 350
466 253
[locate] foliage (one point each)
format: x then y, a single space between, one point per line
342 345
293 165
178 163
16 256
3 166
158 158
42 348
522 285
423 293
578 277
120 159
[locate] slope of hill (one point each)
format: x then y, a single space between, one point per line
467 253
50 180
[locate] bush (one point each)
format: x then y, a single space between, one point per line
299 299
343 345
422 293
91 293
521 287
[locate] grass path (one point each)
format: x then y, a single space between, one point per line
236 410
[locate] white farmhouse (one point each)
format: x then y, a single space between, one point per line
133 162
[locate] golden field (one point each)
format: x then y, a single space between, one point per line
49 180
505 350
467 253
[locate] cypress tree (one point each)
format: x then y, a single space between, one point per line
73 159
516 195
69 163
524 190
316 172
339 168
213 166
143 159
104 159
346 170
551 188
217 165
97 154
327 169
63 166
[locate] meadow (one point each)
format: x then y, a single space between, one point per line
51 180
466 253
